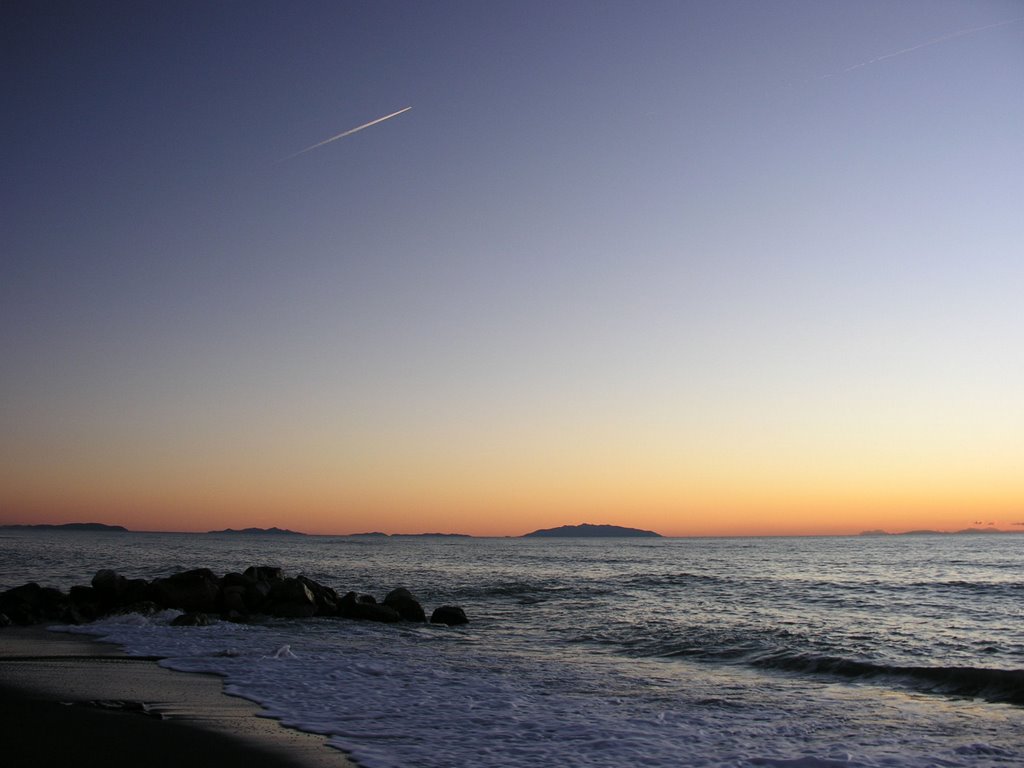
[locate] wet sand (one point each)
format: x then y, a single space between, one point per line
66 700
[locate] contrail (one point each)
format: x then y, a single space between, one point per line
926 44
344 134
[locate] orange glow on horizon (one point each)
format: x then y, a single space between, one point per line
732 517
508 490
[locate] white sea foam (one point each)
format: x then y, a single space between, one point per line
435 697
787 653
284 652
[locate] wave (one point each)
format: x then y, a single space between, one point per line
532 592
986 587
670 579
787 650
994 685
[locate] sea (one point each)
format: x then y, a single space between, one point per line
800 652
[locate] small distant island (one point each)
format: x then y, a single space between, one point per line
587 530
929 532
261 531
89 527
379 535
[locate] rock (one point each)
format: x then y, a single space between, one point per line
85 603
263 573
82 594
133 591
199 593
375 612
108 585
325 597
191 620
235 579
258 582
256 594
141 607
452 615
111 590
32 604
365 607
408 607
347 604
290 599
395 594
196 591
233 600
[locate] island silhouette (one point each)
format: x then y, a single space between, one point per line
588 530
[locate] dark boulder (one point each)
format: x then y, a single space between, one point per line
235 579
134 591
191 620
199 593
196 591
347 603
111 590
452 615
32 604
405 604
256 595
290 599
325 597
258 582
264 573
241 595
375 612
365 607
107 586
85 603
55 603
140 607
233 600
83 594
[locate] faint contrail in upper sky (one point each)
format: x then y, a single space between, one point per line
342 135
927 43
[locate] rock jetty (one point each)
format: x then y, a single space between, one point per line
202 596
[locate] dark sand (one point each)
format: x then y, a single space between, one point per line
50 684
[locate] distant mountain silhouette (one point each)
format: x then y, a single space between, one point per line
379 535
929 532
260 531
587 530
97 527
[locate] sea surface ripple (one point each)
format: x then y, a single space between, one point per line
799 652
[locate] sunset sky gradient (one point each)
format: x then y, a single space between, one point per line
707 268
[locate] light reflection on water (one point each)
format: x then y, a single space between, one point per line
779 643
895 600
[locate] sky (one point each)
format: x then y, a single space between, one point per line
706 268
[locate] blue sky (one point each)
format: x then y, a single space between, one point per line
618 258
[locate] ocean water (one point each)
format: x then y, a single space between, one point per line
798 652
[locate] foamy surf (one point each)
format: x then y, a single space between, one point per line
718 653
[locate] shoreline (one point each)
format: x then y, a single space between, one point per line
70 699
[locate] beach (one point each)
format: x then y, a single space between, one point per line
716 653
69 700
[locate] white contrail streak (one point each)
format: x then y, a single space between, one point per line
926 44
344 134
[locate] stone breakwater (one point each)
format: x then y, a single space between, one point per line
201 595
